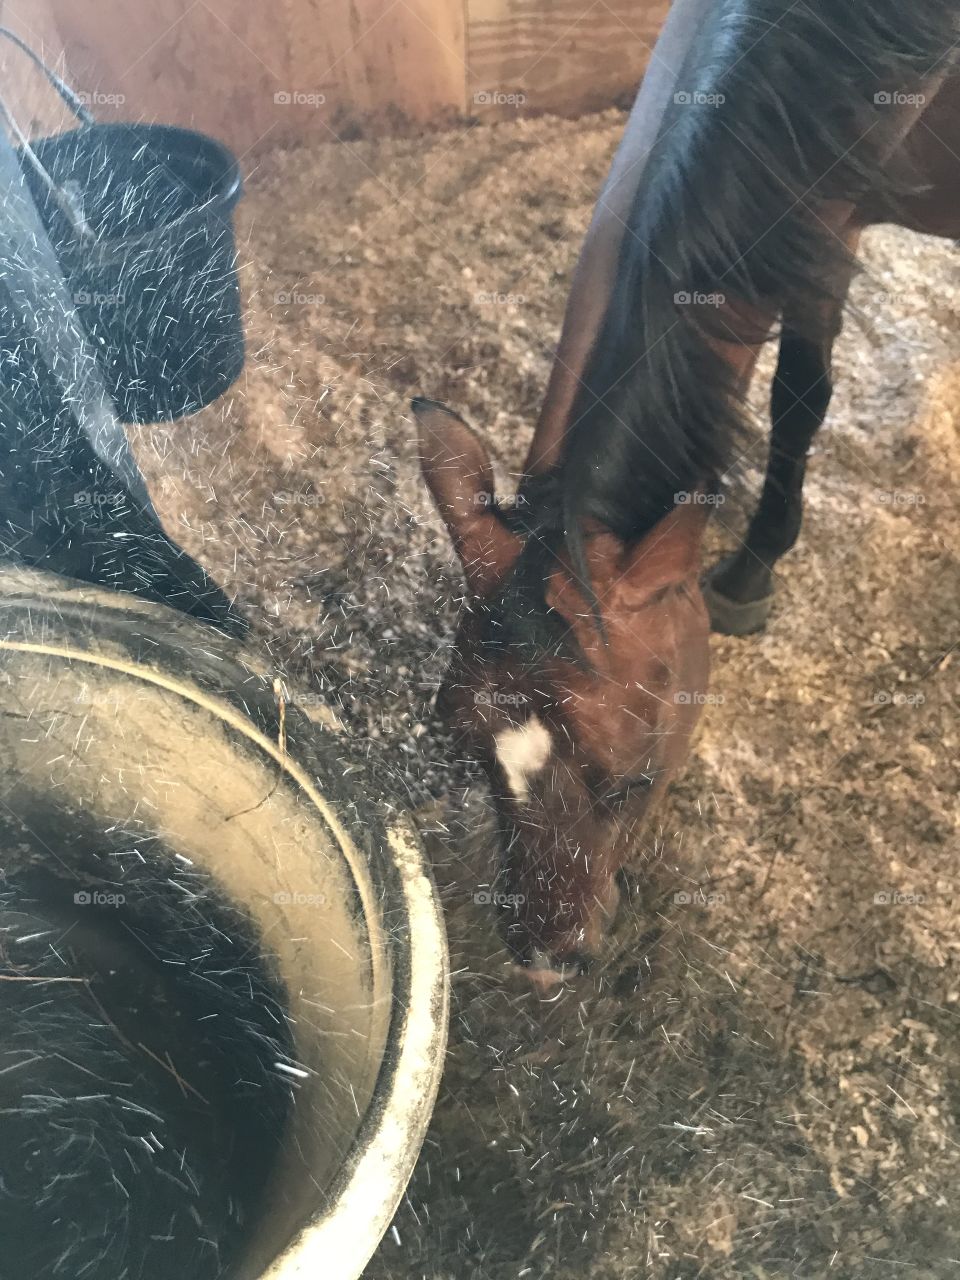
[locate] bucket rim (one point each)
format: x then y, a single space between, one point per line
340 1239
230 186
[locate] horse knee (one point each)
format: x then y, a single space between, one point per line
801 393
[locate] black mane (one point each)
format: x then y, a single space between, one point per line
731 202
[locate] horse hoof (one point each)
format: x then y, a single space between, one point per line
733 617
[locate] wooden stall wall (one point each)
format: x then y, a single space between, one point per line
256 72
565 56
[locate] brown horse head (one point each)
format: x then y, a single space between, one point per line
579 727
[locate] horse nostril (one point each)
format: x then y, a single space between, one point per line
546 969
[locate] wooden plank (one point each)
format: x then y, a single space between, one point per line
253 74
258 73
29 97
565 56
416 56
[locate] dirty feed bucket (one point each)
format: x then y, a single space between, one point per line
140 217
156 288
157 786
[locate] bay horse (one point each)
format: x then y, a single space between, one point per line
765 137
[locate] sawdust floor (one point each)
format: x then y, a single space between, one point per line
767 1081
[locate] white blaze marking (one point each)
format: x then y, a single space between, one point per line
523 752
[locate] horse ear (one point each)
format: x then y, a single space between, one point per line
666 556
456 467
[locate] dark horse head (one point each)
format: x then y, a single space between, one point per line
581 659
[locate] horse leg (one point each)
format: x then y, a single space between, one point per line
739 590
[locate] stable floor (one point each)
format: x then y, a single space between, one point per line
763 1082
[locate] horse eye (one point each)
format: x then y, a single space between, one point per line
628 786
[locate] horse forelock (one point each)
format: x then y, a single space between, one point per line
517 624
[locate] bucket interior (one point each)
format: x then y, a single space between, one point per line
142 1067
